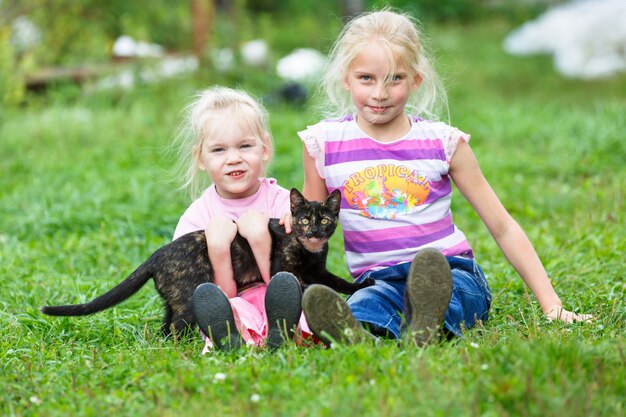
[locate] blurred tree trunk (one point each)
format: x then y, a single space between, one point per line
202 13
351 8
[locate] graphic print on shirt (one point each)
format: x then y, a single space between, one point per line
386 191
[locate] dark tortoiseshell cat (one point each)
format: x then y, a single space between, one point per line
180 266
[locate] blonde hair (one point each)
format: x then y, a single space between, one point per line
399 35
209 110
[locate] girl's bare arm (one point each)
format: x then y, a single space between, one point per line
507 233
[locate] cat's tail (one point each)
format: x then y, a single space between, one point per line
116 295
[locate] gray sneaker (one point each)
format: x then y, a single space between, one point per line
283 301
215 317
428 290
329 317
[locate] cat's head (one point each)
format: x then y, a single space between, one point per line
314 222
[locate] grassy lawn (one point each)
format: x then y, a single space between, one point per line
86 194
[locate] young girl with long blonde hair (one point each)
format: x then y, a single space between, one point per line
395 166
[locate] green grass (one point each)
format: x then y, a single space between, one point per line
86 195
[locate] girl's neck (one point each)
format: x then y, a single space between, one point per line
386 132
233 197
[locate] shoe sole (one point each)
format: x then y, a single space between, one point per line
329 316
283 306
429 289
215 317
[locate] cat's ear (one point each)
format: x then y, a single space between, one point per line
297 199
333 201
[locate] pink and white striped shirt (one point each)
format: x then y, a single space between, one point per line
396 195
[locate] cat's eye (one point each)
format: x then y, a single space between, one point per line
325 221
304 221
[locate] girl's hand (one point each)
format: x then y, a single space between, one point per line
286 221
252 224
220 233
557 312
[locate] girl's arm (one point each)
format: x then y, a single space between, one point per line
509 236
314 186
253 226
220 233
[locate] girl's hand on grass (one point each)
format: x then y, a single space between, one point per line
559 313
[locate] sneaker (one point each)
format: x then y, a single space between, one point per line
215 317
329 317
428 289
283 301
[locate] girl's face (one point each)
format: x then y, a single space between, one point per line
234 160
380 96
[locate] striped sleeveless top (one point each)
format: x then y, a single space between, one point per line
396 195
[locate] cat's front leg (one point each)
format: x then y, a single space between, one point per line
355 286
367 282
338 284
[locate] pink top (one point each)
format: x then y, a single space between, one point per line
270 198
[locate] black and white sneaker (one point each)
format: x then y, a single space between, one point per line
283 306
215 317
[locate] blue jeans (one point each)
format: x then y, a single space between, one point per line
381 306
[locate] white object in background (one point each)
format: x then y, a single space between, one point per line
127 47
168 67
587 38
24 34
255 53
301 65
223 59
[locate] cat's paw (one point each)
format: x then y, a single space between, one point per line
367 282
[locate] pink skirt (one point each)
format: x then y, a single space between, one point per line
251 319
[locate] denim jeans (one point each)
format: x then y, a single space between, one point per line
382 306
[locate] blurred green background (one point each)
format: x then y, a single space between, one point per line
81 34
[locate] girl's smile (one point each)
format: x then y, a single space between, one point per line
378 109
236 174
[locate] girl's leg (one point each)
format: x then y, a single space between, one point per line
382 306
379 307
250 316
258 310
471 298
